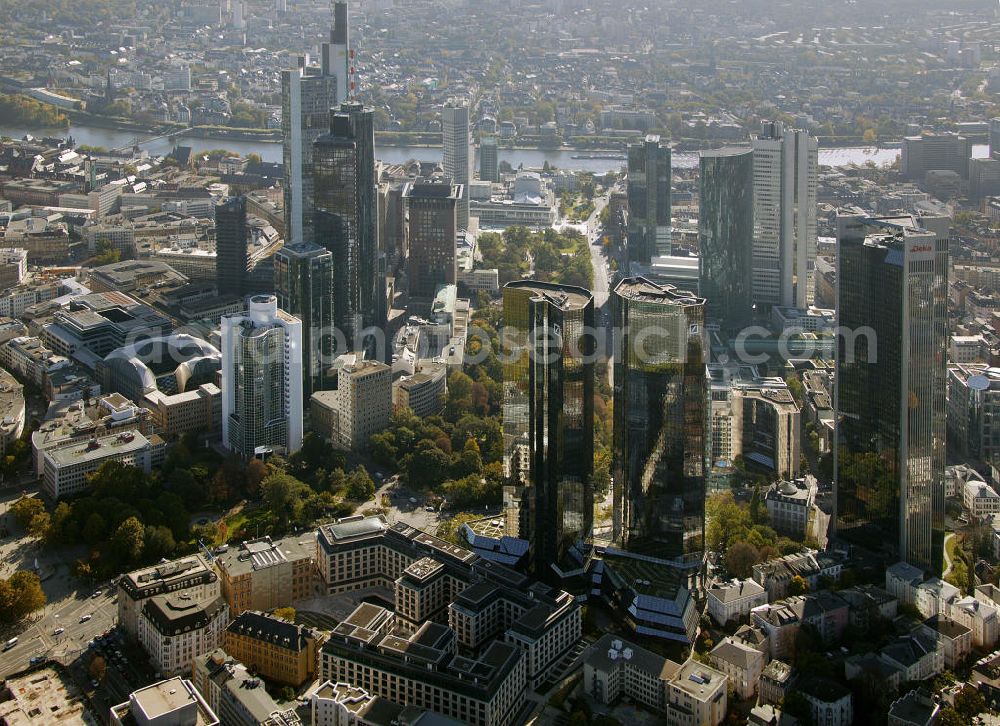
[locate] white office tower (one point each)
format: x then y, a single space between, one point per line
262 380
336 55
458 153
784 245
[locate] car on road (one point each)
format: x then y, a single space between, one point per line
85 618
413 500
10 644
97 594
429 508
59 631
36 659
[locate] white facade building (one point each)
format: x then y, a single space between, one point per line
262 379
458 154
784 248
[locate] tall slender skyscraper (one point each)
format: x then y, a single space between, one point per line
261 379
489 164
649 203
303 284
548 381
344 186
890 396
725 235
308 92
458 152
661 420
432 226
231 244
336 55
784 201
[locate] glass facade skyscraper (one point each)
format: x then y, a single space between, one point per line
303 283
725 235
548 384
457 152
432 229
661 404
231 244
261 379
890 394
649 201
344 186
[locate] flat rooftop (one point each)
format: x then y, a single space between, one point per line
96 449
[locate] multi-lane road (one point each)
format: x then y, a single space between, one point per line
39 638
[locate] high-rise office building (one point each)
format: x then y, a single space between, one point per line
307 94
432 227
489 162
303 284
725 235
231 259
661 419
262 380
336 54
548 419
458 155
784 206
648 180
344 186
890 397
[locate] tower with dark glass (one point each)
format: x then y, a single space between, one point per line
725 235
648 199
890 395
548 384
344 186
661 404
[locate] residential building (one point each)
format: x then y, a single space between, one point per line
790 505
359 407
176 628
696 694
276 649
648 177
830 702
660 422
954 640
303 284
733 601
548 411
243 701
344 187
725 235
785 163
433 230
776 574
916 708
980 499
65 467
742 664
13 266
458 154
776 682
261 379
264 574
173 701
891 387
232 233
11 411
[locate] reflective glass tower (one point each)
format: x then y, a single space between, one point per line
303 283
458 153
890 393
648 199
231 241
261 379
344 185
661 404
725 235
432 229
548 383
